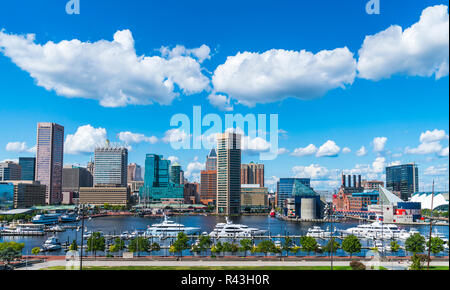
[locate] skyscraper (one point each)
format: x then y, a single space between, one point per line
158 186
134 172
27 166
252 174
49 160
211 161
175 174
110 166
228 174
9 171
403 180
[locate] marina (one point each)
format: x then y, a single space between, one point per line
257 228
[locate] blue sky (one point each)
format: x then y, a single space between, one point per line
352 99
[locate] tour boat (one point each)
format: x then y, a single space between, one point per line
46 219
52 244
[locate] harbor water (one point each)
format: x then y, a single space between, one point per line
115 225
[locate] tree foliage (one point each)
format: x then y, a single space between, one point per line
351 244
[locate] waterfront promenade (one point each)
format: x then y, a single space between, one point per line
394 265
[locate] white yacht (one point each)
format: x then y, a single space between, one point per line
24 230
230 230
377 230
318 232
52 244
169 228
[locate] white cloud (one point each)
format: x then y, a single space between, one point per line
313 171
346 150
306 151
85 139
420 50
16 146
173 159
282 151
258 78
220 101
433 136
379 143
107 71
437 170
271 183
250 144
379 165
201 53
395 163
328 149
444 152
175 136
362 151
193 170
19 147
425 148
132 138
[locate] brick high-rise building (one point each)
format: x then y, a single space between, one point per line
208 187
252 174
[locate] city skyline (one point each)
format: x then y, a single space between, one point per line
382 117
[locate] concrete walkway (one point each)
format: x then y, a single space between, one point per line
118 263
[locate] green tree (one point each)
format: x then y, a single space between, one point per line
332 245
351 244
35 251
415 244
10 251
139 244
246 245
95 243
73 246
180 244
266 246
204 243
309 244
217 248
437 245
287 245
155 247
395 247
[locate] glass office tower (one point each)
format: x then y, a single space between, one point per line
27 165
157 184
403 180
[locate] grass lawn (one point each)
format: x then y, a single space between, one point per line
262 268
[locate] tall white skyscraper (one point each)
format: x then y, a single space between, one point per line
110 166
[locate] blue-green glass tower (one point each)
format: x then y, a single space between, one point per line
157 184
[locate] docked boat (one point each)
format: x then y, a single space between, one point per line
23 230
52 244
231 230
55 228
46 219
169 228
69 218
377 230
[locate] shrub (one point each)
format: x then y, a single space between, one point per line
356 265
